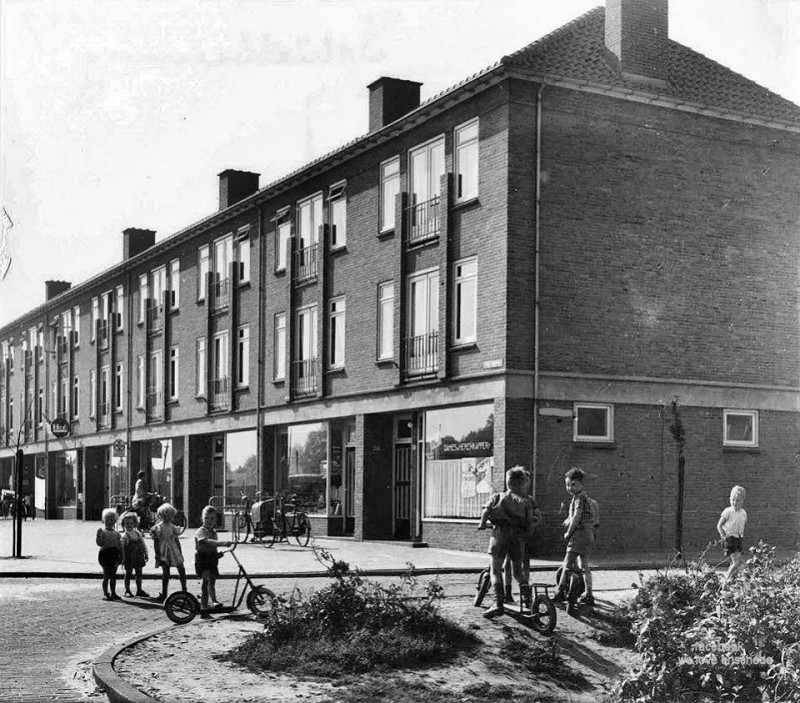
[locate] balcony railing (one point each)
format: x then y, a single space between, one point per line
304 377
155 404
306 263
62 349
423 221
219 394
28 362
155 319
422 354
220 291
103 416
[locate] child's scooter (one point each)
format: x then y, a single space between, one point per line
182 607
539 612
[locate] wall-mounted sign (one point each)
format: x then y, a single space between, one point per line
59 427
119 447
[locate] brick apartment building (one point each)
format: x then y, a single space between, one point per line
557 262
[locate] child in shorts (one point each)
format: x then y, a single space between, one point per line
110 554
731 526
206 558
134 553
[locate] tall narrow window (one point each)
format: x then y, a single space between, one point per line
203 268
95 318
219 357
466 161
385 320
76 383
174 373
76 326
119 387
465 299
119 307
40 343
92 393
223 257
140 381
337 333
243 356
201 369
144 294
426 168
105 392
304 366
243 256
337 199
421 349
282 233
279 347
155 383
174 283
40 407
159 285
390 187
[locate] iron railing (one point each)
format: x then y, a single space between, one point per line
423 221
220 291
306 263
219 393
422 354
155 319
304 377
102 334
155 404
103 416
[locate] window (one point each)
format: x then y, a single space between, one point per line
40 343
243 356
740 428
466 161
304 367
465 299
422 344
219 383
593 422
173 373
385 320
92 393
282 233
337 201
390 187
203 268
219 356
144 294
243 256
95 318
105 392
337 333
40 407
174 284
426 168
76 387
63 397
159 285
76 326
119 388
155 384
119 307
10 415
201 369
279 348
223 257
308 222
140 378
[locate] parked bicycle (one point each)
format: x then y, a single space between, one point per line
253 521
148 515
289 521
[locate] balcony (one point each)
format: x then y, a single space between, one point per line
103 415
155 405
155 319
219 397
423 221
62 350
304 378
306 263
422 354
28 362
220 292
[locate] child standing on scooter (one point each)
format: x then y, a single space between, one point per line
206 559
110 555
167 548
134 553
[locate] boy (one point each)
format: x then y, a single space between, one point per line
731 529
206 558
512 517
579 536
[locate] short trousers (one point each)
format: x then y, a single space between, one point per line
581 542
108 558
507 542
732 545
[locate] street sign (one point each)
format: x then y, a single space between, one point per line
59 427
119 447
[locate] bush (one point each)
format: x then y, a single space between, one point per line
352 626
740 641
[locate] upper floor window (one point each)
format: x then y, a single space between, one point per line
337 199
426 168
465 300
279 348
740 428
385 320
119 306
243 356
593 422
422 343
144 294
174 372
76 387
390 187
466 161
119 387
140 381
159 285
309 219
201 369
174 284
223 258
243 255
203 268
95 317
92 393
40 343
337 333
76 325
283 230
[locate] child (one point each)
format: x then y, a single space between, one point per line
206 558
731 529
579 536
134 553
110 555
167 548
511 515
528 548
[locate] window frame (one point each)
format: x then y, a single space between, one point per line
243 356
283 234
174 284
119 386
92 394
144 294
337 195
458 283
241 253
141 372
608 437
433 185
469 143
203 269
336 330
385 181
748 444
385 302
119 307
431 278
76 326
174 372
279 347
201 368
75 400
307 311
311 201
95 318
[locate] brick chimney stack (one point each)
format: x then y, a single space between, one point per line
54 288
637 37
135 241
390 99
235 186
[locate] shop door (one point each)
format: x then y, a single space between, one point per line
401 491
218 475
349 489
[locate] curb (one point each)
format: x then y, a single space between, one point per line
117 689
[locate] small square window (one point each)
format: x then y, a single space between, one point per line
740 428
593 423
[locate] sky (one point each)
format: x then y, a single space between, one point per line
119 114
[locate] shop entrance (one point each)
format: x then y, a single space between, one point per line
402 476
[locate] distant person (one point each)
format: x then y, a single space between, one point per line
206 559
167 548
512 519
110 555
140 494
731 526
134 553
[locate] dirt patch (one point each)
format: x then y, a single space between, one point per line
578 662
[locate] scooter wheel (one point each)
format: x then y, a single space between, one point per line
261 601
543 615
181 607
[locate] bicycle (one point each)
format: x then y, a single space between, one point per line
537 609
182 607
243 523
288 521
148 515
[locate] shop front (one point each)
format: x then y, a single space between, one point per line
67 483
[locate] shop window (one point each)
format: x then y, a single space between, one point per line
302 469
67 465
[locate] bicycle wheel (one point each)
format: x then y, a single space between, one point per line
484 581
180 522
302 532
261 601
239 531
543 615
181 607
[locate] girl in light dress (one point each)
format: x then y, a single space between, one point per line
167 548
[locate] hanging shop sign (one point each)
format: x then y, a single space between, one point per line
59 427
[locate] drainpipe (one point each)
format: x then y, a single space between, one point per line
129 390
536 301
262 263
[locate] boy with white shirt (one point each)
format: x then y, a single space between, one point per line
731 529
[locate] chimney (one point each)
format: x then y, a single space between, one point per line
637 36
235 186
135 241
390 99
54 288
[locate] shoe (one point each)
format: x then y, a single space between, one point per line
142 594
559 596
128 594
106 596
114 596
216 604
509 598
205 615
571 607
494 611
588 599
161 597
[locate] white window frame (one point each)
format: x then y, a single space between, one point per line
462 279
385 321
337 332
464 143
314 205
119 386
220 356
727 441
306 333
155 377
283 232
429 322
201 371
609 409
390 187
222 258
242 254
144 294
141 371
174 372
203 268
243 356
120 307
105 389
279 347
174 284
337 215
159 286
92 394
76 326
75 404
422 192
95 317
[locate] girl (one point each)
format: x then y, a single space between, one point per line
167 548
110 555
134 553
206 558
